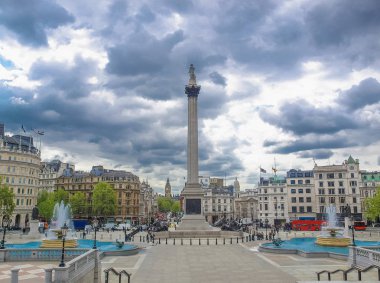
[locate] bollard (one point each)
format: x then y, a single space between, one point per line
190 242
216 241
140 238
143 239
237 240
159 240
14 276
231 241
207 242
181 242
166 240
174 241
246 238
48 275
199 241
253 238
224 241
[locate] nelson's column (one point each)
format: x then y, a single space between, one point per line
192 193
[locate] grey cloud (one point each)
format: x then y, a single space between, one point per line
358 96
142 55
29 19
317 154
218 79
300 117
313 142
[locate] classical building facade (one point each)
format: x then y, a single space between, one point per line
49 173
148 203
246 207
273 200
218 203
338 185
301 194
369 184
125 184
20 168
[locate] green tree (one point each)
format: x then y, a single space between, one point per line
7 204
60 195
176 207
78 203
45 204
164 204
103 199
372 206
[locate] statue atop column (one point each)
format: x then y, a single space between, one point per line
192 79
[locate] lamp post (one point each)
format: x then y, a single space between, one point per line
95 223
266 228
64 233
353 231
5 224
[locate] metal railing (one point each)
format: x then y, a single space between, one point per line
117 273
346 272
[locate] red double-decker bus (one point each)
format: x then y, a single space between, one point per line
360 226
307 225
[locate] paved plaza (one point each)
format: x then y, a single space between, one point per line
206 263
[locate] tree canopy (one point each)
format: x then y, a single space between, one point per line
60 195
7 204
103 200
166 204
45 204
78 203
373 206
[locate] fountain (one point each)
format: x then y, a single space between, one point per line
331 235
61 216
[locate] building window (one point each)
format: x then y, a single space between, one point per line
354 200
353 190
308 191
300 182
332 199
322 199
309 209
320 176
340 183
300 191
330 175
330 184
352 175
355 209
294 209
265 206
320 184
342 199
331 191
292 182
322 209
293 191
300 199
294 199
302 209
321 191
308 199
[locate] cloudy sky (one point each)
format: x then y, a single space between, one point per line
284 80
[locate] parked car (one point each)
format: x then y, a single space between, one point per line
123 226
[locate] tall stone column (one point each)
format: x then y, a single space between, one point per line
192 192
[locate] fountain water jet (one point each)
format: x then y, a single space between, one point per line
61 216
331 235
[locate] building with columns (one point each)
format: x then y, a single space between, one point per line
148 203
49 173
218 203
369 184
338 185
125 184
301 194
20 168
273 200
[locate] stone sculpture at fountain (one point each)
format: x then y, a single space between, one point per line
61 216
331 235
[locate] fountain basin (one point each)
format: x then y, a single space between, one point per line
55 244
333 241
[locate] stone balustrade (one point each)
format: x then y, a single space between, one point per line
364 256
38 254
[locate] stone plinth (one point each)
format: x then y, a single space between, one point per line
199 234
33 230
194 223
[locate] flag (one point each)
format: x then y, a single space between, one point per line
41 133
22 127
262 170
